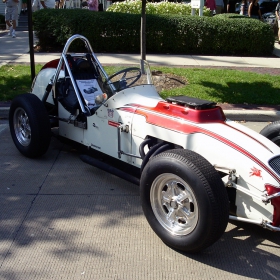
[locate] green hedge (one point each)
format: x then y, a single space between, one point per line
118 32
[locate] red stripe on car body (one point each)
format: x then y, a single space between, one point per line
174 117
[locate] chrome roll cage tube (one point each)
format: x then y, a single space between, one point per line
63 58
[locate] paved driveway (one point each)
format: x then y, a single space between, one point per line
63 219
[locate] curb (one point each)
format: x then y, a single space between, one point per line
253 115
4 113
235 115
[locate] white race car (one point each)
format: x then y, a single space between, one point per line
196 169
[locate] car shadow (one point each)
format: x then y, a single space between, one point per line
244 249
71 210
260 92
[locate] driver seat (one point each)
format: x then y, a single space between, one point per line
87 80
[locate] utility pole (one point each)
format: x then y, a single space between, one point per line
30 32
143 35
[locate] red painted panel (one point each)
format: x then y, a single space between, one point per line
276 204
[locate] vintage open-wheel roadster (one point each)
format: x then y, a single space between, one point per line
196 169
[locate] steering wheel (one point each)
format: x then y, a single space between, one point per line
125 78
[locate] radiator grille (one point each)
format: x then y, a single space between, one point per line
275 164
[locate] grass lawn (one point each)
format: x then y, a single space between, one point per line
218 85
227 86
14 80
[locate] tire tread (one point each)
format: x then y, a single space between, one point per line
213 191
39 120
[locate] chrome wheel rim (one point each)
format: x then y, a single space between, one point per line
22 127
174 204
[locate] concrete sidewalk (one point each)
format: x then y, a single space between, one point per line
16 51
63 219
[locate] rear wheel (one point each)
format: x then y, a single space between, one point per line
184 200
29 125
272 132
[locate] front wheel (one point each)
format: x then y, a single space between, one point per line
184 200
272 132
29 125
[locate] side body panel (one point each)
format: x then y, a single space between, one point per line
125 120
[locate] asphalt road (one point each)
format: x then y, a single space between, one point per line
63 219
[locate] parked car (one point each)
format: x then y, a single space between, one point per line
266 6
270 18
196 169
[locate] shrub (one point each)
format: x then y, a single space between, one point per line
160 8
176 34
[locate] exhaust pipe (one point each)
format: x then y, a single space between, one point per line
110 169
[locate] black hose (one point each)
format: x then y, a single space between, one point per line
161 149
149 154
142 146
47 91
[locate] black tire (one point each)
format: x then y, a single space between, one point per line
184 200
29 125
272 132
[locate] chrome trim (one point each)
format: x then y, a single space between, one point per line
246 220
229 182
262 223
123 128
224 168
274 163
270 227
242 189
175 208
268 198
